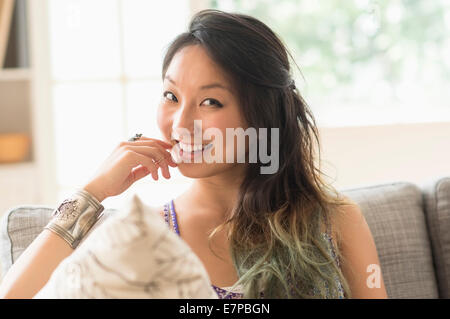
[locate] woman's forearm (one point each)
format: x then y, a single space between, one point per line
34 267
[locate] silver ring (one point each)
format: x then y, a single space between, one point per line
160 160
135 137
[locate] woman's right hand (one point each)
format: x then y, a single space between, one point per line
128 163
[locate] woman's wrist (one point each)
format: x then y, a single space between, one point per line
75 216
94 192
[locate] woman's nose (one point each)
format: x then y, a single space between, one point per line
185 121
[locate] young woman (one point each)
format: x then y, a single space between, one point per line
286 234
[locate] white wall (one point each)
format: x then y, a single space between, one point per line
358 156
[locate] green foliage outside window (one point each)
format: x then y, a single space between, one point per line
358 44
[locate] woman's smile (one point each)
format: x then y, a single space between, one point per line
189 151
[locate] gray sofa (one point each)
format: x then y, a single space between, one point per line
410 225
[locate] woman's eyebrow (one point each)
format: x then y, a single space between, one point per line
214 85
170 79
203 87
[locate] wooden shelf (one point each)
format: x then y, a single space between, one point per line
20 166
18 74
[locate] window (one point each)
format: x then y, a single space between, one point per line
106 59
364 62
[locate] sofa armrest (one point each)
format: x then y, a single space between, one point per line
437 206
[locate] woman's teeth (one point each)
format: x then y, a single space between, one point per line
193 148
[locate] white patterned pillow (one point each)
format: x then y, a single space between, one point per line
133 254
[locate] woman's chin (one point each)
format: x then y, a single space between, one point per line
201 170
195 170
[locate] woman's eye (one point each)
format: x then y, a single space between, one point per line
212 102
170 96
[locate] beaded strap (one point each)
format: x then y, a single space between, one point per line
174 218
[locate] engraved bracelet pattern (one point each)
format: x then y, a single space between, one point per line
75 216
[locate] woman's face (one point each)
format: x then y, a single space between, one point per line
196 88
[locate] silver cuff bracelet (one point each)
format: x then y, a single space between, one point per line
75 216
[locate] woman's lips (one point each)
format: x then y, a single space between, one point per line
189 151
188 148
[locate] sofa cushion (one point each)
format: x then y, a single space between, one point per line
20 225
18 228
437 203
394 213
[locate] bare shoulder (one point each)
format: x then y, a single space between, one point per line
350 215
359 251
345 221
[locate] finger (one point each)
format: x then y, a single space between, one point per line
134 159
159 155
144 140
155 139
164 168
139 172
167 155
170 160
143 171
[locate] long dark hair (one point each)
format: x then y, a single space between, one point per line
276 225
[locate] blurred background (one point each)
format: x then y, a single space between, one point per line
79 76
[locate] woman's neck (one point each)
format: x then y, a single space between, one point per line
216 195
